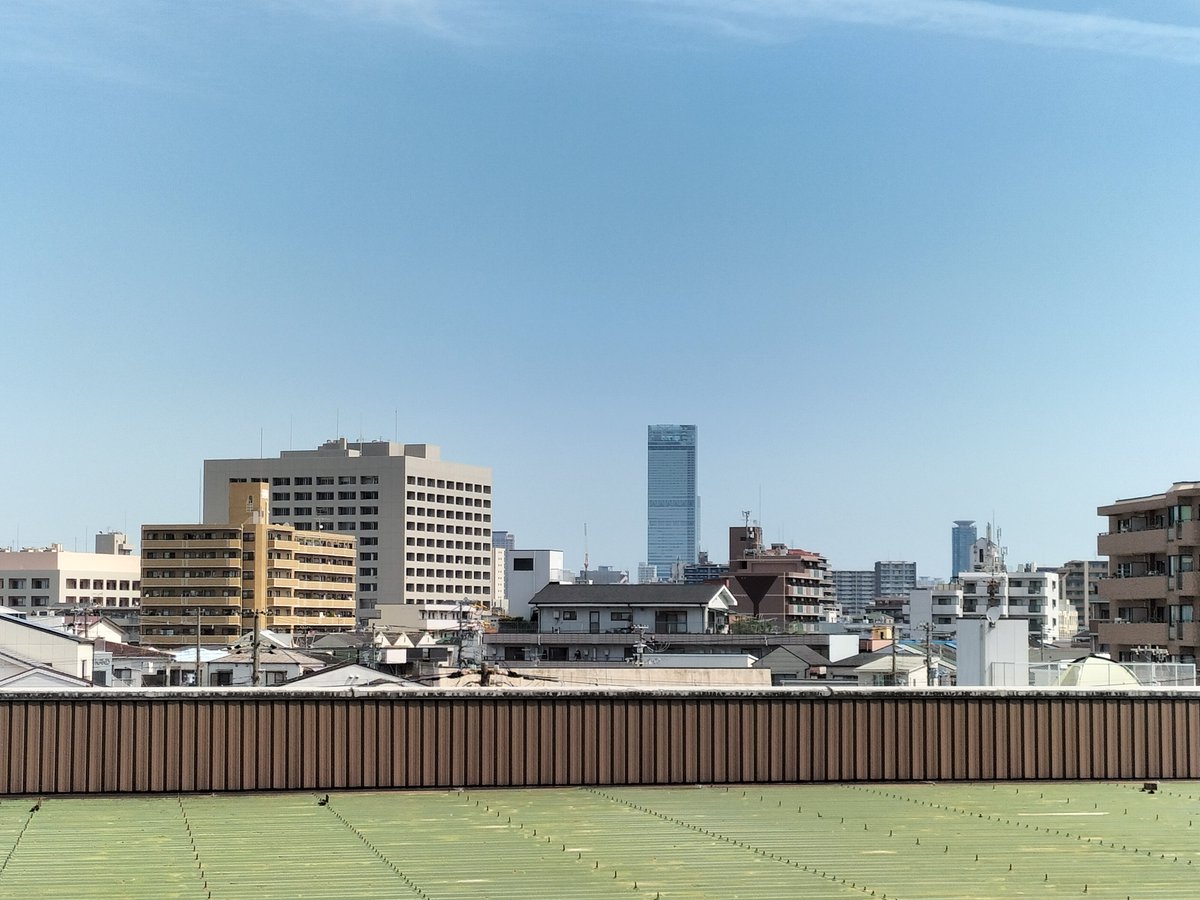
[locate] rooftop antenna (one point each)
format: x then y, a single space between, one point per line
585 551
746 518
260 442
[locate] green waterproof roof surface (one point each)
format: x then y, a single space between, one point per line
897 841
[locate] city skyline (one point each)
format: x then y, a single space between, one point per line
885 255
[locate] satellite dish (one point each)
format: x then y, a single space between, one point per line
993 616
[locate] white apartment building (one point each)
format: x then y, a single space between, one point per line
424 525
1026 594
528 571
48 581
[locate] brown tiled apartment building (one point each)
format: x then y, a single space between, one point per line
1146 609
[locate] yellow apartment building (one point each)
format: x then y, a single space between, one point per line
218 578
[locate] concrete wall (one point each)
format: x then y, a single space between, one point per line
521 585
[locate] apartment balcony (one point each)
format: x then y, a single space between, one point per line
233 582
1133 633
325 623
189 621
199 544
1133 543
1144 587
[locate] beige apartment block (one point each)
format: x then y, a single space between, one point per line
220 578
1146 609
424 525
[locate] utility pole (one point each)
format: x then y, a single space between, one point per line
928 626
197 675
256 655
895 647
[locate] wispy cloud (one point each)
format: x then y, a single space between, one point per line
126 41
1097 32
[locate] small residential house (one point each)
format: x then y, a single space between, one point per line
612 623
392 651
124 665
793 663
654 608
276 665
17 673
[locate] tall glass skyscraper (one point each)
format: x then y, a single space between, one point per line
672 505
962 537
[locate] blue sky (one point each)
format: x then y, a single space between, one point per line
901 261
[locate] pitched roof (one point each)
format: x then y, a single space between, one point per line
627 594
861 659
17 620
28 670
129 651
347 674
275 655
802 652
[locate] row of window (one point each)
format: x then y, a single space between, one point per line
460 574
96 584
448 500
433 512
319 479
442 557
284 497
442 529
445 589
439 542
191 535
342 526
450 485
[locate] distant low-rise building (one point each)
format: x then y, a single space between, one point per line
1026 594
854 590
52 581
527 572
602 575
1079 581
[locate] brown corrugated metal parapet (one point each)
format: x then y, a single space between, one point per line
153 741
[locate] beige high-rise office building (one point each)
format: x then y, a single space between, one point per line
424 525
219 578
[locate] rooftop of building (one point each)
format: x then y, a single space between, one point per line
630 595
932 841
